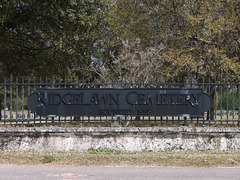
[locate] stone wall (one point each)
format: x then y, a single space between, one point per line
120 138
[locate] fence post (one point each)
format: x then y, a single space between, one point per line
52 86
238 101
5 99
53 82
0 108
185 86
119 82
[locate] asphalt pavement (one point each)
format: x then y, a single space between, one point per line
15 172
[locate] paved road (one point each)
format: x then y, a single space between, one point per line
14 172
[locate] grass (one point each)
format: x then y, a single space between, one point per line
107 157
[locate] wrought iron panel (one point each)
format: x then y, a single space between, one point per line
116 101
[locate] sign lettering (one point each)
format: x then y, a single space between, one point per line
111 102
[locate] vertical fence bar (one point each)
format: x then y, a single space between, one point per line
71 87
23 100
197 85
203 88
65 86
52 86
161 117
11 100
166 83
215 100
16 100
227 84
82 86
65 82
34 114
209 92
155 116
221 95
149 117
185 86
233 106
46 119
28 91
124 85
100 117
139 117
53 82
59 82
238 101
88 118
71 82
59 117
78 119
172 86
1 107
5 99
58 85
191 85
77 84
40 85
130 83
34 83
178 87
141 85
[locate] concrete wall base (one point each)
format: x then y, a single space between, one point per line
120 138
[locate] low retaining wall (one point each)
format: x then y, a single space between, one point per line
120 138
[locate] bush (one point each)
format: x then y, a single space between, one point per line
228 102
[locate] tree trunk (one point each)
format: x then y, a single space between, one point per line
210 114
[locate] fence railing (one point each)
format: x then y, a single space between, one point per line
225 109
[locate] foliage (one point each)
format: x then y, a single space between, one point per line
48 159
203 36
227 101
49 37
132 63
200 38
104 150
81 38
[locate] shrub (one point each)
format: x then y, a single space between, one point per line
228 102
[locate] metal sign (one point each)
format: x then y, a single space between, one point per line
112 102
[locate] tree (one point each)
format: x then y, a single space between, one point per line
132 63
49 37
201 38
129 34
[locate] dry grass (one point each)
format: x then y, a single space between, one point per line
105 157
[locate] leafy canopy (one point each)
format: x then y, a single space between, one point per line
200 38
49 37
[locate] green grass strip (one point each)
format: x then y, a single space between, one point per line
107 157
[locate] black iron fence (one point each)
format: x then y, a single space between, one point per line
225 110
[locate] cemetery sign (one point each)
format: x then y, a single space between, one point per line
192 102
